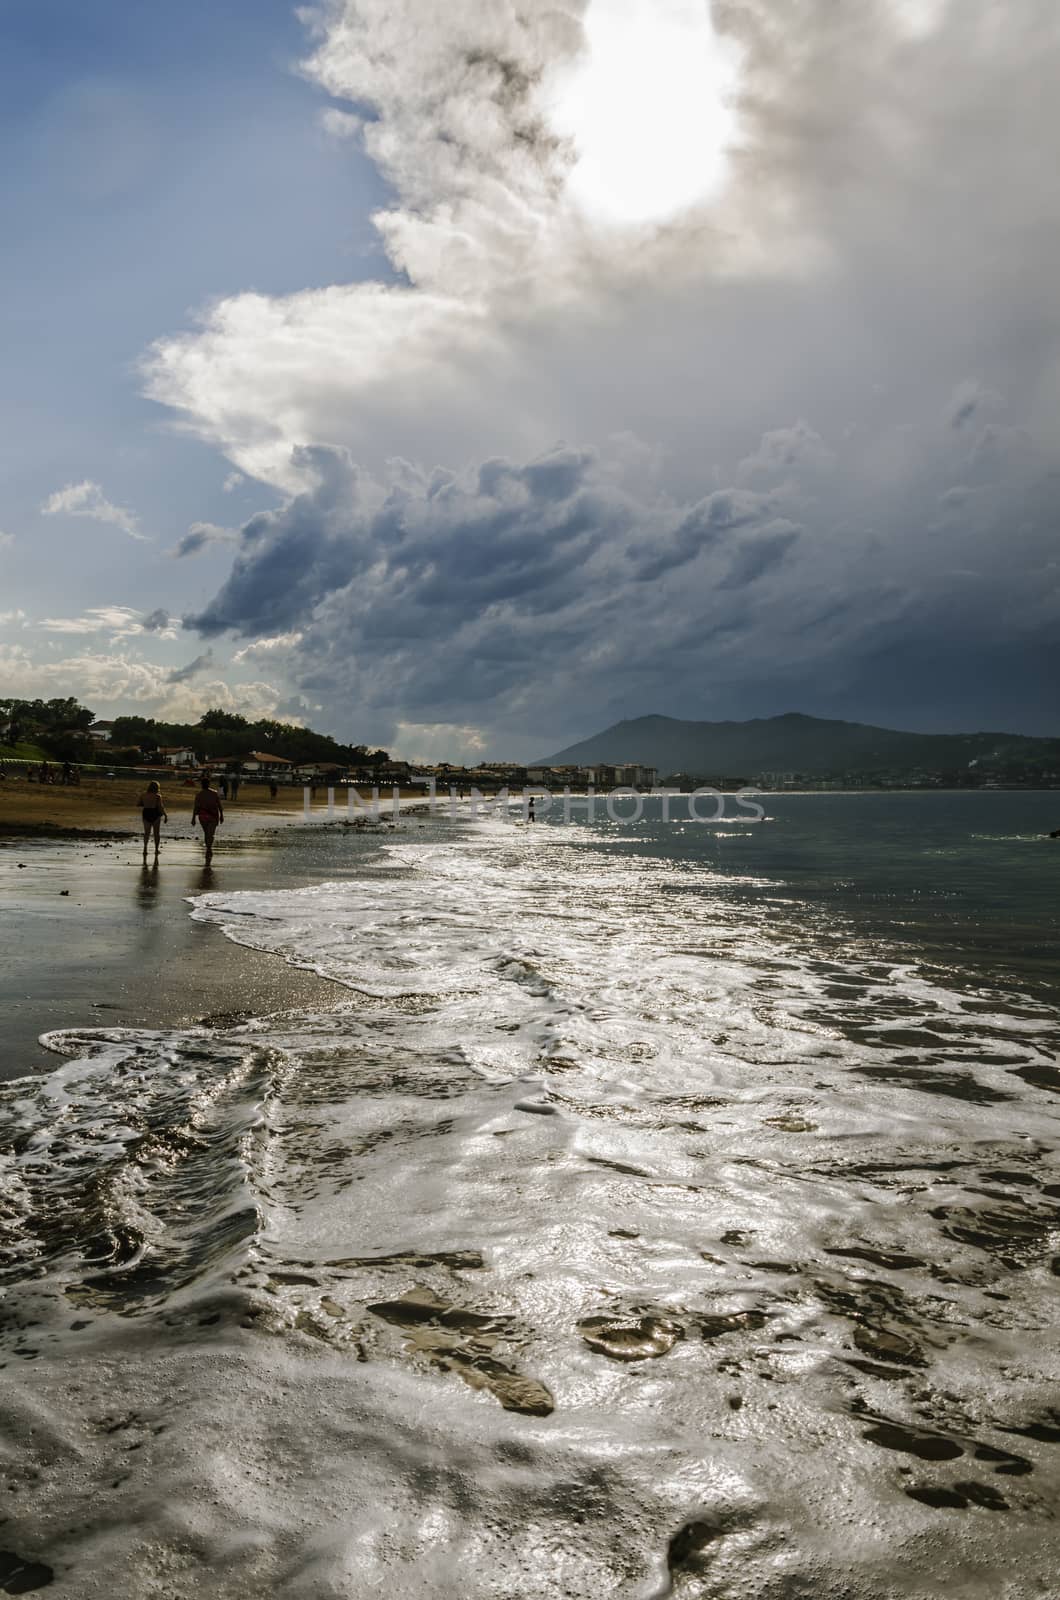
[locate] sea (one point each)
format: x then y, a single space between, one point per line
670 1205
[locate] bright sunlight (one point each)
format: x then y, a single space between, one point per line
648 109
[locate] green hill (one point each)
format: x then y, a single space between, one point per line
797 743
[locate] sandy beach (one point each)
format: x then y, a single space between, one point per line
108 805
93 938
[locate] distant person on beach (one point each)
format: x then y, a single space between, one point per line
234 785
153 811
207 810
273 789
530 817
224 788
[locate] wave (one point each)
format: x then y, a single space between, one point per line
628 1229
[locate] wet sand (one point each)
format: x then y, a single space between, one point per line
107 806
92 938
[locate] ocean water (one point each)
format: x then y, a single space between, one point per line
672 1208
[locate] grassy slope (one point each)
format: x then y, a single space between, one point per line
23 752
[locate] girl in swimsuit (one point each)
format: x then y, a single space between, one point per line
207 811
154 814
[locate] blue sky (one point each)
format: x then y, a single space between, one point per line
155 158
375 365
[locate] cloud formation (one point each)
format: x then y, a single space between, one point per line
193 669
121 622
812 417
86 499
199 536
110 682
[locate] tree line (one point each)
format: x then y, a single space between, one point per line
60 728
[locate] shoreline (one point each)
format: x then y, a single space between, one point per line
106 808
94 938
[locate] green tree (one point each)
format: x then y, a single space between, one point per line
222 721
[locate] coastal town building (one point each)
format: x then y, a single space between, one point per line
319 771
262 761
628 775
625 775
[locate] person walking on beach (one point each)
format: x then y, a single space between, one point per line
153 811
207 810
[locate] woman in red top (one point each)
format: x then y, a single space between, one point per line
207 811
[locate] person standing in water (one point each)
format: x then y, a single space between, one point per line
153 811
207 810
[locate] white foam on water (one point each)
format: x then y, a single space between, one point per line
629 1231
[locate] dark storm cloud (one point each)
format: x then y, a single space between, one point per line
702 527
199 536
433 554
758 553
201 663
288 560
155 621
444 595
845 374
491 563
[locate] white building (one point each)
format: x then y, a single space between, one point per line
261 761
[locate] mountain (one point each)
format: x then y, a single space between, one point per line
797 743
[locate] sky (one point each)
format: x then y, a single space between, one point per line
465 379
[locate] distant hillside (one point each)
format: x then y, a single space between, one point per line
796 743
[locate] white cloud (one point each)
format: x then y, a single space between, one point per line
520 320
234 480
86 499
279 641
250 700
838 276
114 678
9 617
439 741
6 541
121 622
341 124
110 683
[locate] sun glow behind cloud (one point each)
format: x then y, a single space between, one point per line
648 109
